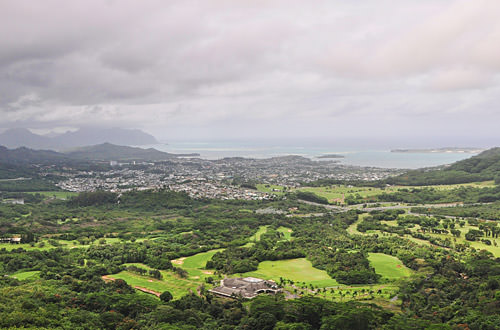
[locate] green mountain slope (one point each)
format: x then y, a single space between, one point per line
108 151
483 167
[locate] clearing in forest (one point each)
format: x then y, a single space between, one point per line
195 265
297 270
287 232
170 282
388 266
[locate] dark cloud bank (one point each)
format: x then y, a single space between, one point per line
394 70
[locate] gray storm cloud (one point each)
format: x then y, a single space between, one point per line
224 69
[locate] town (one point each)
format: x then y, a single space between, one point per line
227 178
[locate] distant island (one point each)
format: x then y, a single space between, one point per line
331 156
440 150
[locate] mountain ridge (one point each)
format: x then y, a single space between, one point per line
100 152
23 137
482 167
107 152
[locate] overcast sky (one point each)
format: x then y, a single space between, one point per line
396 69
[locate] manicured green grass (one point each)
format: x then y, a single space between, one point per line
392 223
111 240
347 292
297 270
482 184
339 192
353 228
388 266
27 247
287 232
478 245
268 188
256 237
417 240
176 286
44 245
26 275
56 194
195 265
170 282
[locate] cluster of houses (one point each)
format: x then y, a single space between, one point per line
218 190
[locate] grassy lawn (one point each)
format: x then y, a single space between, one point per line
493 249
475 244
339 192
297 270
56 194
26 275
195 265
27 247
461 240
178 286
483 184
170 282
417 240
256 237
388 266
353 228
44 244
268 188
382 292
392 223
287 232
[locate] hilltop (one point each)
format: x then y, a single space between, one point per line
100 152
25 155
483 167
108 151
22 137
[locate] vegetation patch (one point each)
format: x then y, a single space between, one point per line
388 266
170 282
27 275
287 232
56 194
195 265
256 237
297 270
341 193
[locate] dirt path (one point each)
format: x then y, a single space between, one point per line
147 290
179 261
140 288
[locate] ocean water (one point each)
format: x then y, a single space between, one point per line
376 157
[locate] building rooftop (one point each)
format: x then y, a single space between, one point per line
247 287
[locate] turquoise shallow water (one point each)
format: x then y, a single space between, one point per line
377 157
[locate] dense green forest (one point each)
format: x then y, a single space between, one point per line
72 246
384 257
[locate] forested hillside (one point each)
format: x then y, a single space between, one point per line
81 259
483 167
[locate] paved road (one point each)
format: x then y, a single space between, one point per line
378 208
